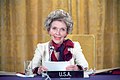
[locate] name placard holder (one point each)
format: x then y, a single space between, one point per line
65 74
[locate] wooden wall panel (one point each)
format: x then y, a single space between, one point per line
74 15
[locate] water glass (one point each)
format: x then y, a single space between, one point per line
28 67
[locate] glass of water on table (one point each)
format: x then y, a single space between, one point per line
28 67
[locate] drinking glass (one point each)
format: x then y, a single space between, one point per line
28 67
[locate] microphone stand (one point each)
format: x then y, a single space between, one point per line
51 50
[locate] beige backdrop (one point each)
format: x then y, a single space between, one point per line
21 28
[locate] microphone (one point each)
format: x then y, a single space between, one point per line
51 50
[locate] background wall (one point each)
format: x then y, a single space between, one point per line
21 28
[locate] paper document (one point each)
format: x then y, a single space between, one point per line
22 75
57 66
105 70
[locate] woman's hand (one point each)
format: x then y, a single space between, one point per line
72 68
41 69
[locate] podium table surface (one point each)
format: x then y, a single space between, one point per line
92 77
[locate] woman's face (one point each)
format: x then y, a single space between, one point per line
58 31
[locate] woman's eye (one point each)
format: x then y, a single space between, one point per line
63 29
54 28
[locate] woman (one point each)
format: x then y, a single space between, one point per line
59 24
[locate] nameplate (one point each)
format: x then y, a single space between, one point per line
65 74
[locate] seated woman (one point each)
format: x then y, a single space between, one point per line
59 24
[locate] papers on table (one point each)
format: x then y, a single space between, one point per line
56 66
22 75
17 74
106 70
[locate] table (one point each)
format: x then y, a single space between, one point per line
92 77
